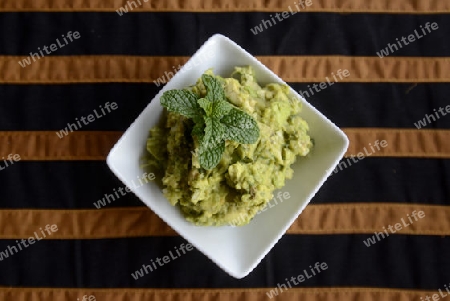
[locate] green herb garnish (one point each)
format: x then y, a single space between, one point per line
215 119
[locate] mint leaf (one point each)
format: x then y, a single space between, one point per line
206 105
214 132
215 109
212 144
214 88
183 102
211 157
240 127
216 95
221 108
199 129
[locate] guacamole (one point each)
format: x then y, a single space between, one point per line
243 181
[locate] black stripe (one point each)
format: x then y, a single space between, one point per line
51 107
40 185
368 105
401 261
147 33
404 180
83 184
381 105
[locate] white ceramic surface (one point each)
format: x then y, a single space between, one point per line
237 250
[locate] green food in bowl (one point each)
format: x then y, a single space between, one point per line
222 160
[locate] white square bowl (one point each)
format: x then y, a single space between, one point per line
237 250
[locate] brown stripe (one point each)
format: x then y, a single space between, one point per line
47 145
95 145
225 294
348 6
102 68
141 221
400 142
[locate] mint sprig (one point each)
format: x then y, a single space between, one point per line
183 102
215 119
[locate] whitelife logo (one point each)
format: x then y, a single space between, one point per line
161 261
360 156
110 197
280 16
371 240
391 48
11 158
124 9
31 240
436 297
322 86
90 118
88 298
423 122
168 75
319 267
281 196
25 62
